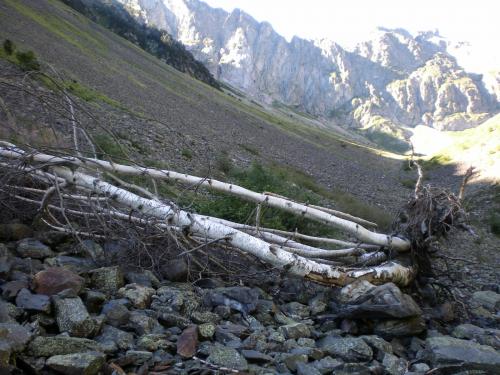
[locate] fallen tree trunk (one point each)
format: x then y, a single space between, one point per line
362 234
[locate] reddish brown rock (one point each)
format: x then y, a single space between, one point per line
187 342
56 279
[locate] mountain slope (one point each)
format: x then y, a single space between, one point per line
321 77
176 120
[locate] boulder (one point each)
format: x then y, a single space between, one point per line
139 295
227 357
394 365
75 264
89 363
384 301
73 317
107 279
350 349
487 299
292 361
113 339
454 354
12 288
33 302
206 330
32 248
307 369
16 335
400 328
351 292
116 312
254 356
46 346
56 279
144 278
239 298
295 330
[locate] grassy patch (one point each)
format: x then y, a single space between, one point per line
435 162
249 149
108 146
187 153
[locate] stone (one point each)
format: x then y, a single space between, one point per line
154 342
107 279
56 279
328 364
12 288
227 357
89 363
141 323
179 299
32 248
175 270
174 320
292 360
16 335
254 356
318 305
200 317
295 330
138 357
94 301
5 267
15 232
379 346
144 278
239 298
33 302
139 295
206 330
307 369
394 365
487 299
52 237
5 353
420 367
113 339
72 263
46 346
350 349
90 249
383 301
188 342
296 310
73 317
354 290
484 336
116 312
400 328
450 353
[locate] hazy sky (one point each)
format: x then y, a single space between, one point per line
348 21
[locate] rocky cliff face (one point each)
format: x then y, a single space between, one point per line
395 78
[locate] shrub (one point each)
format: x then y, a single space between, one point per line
9 47
494 222
27 60
187 153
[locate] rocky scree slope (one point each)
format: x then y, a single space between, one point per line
65 308
403 79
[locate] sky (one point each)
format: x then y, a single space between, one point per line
350 21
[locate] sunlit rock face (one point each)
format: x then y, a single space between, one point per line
404 79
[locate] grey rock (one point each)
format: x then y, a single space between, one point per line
89 363
328 364
144 278
420 367
394 365
94 300
254 356
351 292
5 353
296 310
16 335
200 317
291 361
174 320
227 357
307 369
348 348
139 295
75 264
5 266
379 346
141 323
107 279
33 302
138 357
400 328
295 330
32 248
113 339
450 353
154 342
242 299
116 312
46 346
73 317
179 299
487 299
483 336
384 301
